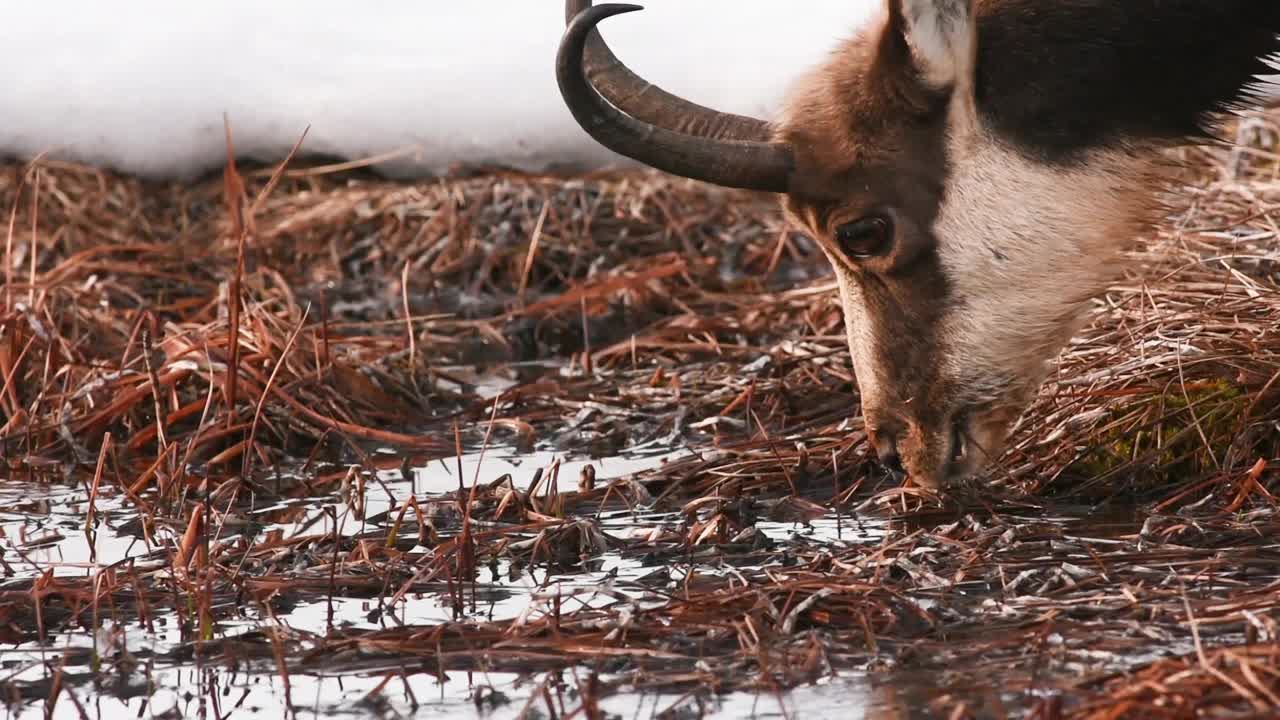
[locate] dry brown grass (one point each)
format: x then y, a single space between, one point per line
199 350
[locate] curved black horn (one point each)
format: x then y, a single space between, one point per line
746 164
649 103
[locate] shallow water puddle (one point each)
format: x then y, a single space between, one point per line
385 490
178 693
42 528
645 563
44 531
526 468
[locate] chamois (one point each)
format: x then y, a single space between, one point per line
973 170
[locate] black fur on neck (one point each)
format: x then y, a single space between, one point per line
1061 77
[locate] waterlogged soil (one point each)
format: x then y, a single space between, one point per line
150 658
152 668
512 447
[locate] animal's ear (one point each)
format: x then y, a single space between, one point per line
936 40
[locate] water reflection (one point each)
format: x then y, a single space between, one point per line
400 693
526 468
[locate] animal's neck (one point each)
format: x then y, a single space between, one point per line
1059 78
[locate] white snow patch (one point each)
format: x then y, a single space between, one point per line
142 85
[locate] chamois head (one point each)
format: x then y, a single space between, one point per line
971 170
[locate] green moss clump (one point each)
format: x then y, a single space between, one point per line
1157 434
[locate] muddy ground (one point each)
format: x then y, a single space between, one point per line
509 446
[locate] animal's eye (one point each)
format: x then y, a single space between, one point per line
865 238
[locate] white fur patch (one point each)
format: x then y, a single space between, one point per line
1024 246
940 33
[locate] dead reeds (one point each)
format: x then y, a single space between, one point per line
242 374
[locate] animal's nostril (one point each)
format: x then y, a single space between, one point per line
892 462
957 442
887 452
